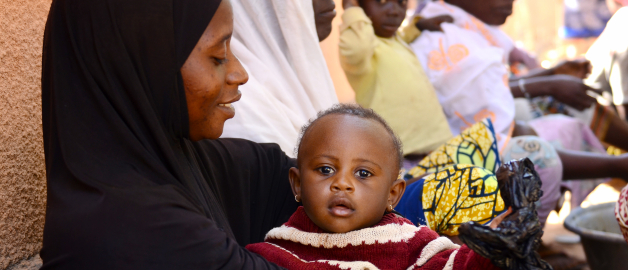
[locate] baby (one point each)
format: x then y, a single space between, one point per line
347 179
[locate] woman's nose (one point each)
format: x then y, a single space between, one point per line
341 183
236 74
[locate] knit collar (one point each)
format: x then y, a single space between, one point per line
300 229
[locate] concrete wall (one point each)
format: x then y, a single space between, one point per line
22 170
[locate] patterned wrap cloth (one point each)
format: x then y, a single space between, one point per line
458 184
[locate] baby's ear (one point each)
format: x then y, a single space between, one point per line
295 182
396 192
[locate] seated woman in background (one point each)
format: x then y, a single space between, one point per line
277 42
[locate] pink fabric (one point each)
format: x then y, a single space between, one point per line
546 163
565 132
621 212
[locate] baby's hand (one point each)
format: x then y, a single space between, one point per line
433 24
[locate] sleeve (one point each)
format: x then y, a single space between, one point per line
251 181
435 252
146 227
357 42
410 32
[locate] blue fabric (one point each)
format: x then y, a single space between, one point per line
411 204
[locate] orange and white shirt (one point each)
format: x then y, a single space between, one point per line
466 65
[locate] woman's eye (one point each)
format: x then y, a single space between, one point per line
363 174
326 170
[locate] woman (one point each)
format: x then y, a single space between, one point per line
289 83
130 89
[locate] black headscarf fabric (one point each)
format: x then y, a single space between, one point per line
127 189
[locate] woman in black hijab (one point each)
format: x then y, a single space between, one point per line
131 90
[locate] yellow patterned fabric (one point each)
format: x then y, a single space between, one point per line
457 183
458 194
476 145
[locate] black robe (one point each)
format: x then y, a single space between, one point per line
127 189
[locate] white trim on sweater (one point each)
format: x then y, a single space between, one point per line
381 234
450 262
434 247
353 265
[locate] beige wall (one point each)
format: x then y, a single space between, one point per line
22 170
330 51
535 24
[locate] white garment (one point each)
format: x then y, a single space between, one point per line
289 82
467 71
492 34
609 58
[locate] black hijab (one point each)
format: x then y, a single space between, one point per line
126 186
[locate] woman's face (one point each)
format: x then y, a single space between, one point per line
211 77
493 12
324 13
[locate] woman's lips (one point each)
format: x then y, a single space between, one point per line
329 13
228 106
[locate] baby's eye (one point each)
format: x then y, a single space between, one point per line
363 174
326 170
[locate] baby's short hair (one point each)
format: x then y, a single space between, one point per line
355 110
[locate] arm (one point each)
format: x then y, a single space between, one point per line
418 24
357 40
253 184
567 89
579 68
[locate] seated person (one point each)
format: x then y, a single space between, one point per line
347 179
278 44
386 76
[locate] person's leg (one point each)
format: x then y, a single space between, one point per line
583 165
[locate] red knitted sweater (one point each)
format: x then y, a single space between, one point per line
394 243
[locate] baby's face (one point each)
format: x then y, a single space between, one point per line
347 174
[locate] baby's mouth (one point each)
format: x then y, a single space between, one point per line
341 207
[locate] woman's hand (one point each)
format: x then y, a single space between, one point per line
349 3
579 68
564 88
433 24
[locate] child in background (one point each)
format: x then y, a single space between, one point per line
386 75
347 179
